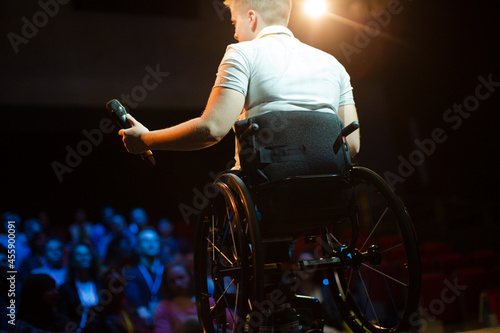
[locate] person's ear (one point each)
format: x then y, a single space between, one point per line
252 16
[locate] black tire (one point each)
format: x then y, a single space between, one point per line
378 287
226 258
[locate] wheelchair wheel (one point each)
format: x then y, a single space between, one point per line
377 289
228 268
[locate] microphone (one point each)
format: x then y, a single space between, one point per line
119 115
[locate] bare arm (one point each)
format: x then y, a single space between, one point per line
348 114
222 110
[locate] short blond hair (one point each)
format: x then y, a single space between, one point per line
274 12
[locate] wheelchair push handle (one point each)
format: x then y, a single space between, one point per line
345 132
349 129
251 130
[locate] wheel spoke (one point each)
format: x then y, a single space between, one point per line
219 251
373 291
391 248
224 292
385 275
368 299
375 227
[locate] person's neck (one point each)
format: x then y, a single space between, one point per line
149 262
83 275
54 264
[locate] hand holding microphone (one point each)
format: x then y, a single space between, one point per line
119 115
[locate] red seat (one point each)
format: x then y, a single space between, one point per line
435 249
450 263
493 297
439 302
474 280
428 264
487 259
429 252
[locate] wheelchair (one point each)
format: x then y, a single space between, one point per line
297 180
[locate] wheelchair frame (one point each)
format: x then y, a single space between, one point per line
374 238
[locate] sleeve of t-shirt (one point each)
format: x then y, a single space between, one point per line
233 71
346 96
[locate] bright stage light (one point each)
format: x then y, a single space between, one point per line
315 8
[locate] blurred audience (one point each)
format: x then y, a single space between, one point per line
113 315
52 261
173 247
178 312
115 227
35 260
80 231
63 290
143 291
80 292
37 306
101 229
119 248
138 220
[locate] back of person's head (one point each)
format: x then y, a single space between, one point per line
165 227
37 298
37 243
275 12
139 216
117 223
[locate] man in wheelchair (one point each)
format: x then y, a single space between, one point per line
287 103
268 70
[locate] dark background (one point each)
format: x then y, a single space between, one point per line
426 59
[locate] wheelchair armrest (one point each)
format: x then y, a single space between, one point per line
345 132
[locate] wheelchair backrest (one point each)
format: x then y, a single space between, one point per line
296 178
290 143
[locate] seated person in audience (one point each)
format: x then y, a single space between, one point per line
52 262
81 230
117 228
37 306
101 229
80 292
113 314
173 247
138 220
119 254
179 308
35 259
143 290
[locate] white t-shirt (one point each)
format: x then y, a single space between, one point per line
277 72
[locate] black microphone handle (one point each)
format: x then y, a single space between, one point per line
119 115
